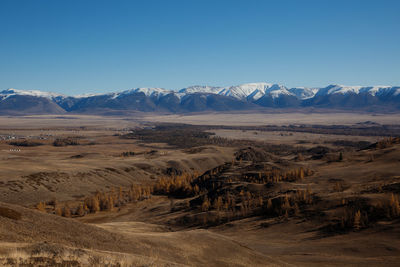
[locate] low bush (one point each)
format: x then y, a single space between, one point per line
25 143
66 142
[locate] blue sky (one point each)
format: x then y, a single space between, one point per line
83 46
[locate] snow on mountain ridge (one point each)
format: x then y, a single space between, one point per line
251 91
344 89
248 91
303 92
376 90
90 95
155 92
201 89
277 90
10 92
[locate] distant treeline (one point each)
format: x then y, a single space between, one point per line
359 129
188 136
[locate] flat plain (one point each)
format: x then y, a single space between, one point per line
275 118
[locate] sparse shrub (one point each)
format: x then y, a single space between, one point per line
25 143
269 205
353 219
58 211
52 202
218 203
371 157
260 201
206 204
66 142
300 157
41 206
93 204
350 144
357 220
285 206
296 209
303 196
394 206
387 142
80 211
338 187
128 154
110 203
66 211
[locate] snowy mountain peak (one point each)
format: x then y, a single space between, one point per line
276 90
201 89
303 92
151 92
148 91
345 89
246 93
36 93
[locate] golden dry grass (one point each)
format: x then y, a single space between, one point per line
144 233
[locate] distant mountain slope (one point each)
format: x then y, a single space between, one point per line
27 104
204 98
351 97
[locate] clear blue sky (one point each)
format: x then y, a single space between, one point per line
99 46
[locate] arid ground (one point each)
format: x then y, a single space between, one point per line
284 189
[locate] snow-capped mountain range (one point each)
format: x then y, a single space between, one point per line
202 98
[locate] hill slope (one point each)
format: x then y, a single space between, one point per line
42 238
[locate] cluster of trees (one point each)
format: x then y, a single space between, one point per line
354 219
41 206
277 175
69 141
25 143
115 198
229 206
339 186
356 213
289 204
375 130
226 203
189 136
390 207
100 201
177 186
356 216
248 204
128 154
387 142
